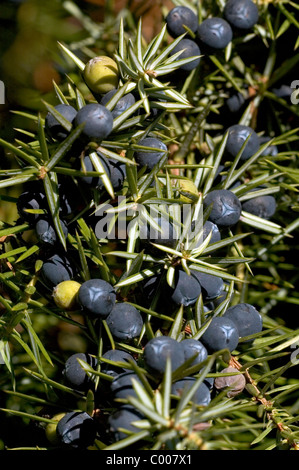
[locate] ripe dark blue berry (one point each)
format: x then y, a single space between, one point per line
164 235
115 170
284 91
29 200
187 288
221 297
261 206
46 232
209 381
124 103
202 395
74 374
76 430
220 177
98 121
115 355
242 14
215 33
97 297
88 166
150 286
211 286
150 158
118 174
190 49
207 229
56 269
123 419
235 102
124 321
216 302
67 199
53 127
122 385
246 318
271 150
215 235
192 347
158 349
95 181
221 333
226 207
237 135
177 18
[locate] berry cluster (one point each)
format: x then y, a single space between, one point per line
211 34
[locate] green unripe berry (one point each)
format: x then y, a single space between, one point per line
65 294
101 74
188 191
50 429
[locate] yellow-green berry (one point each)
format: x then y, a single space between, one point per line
50 429
188 191
101 74
65 294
